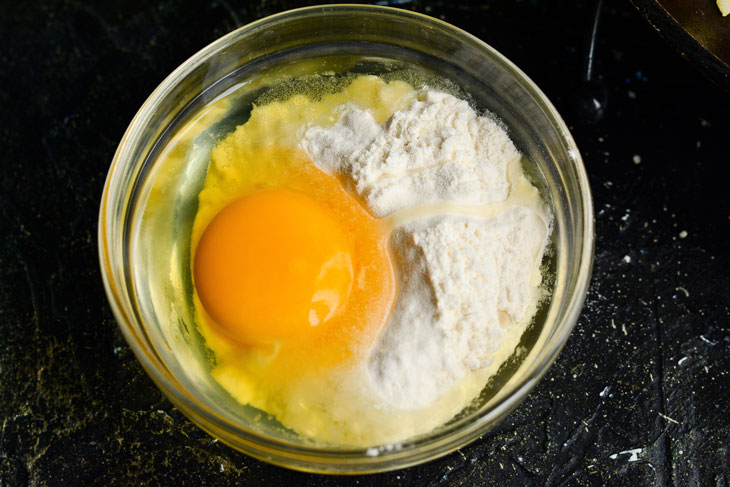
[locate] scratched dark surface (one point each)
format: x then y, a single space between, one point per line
639 397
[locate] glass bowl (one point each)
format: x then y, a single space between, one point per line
147 209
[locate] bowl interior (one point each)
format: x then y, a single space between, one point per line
150 202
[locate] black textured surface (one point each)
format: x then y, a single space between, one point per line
638 397
697 30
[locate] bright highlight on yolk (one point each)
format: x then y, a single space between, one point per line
272 265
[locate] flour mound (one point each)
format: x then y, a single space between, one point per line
461 282
438 150
464 279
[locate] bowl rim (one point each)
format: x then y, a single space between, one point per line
333 459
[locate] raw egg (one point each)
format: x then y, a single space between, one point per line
290 267
272 265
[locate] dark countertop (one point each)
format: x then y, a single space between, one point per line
640 395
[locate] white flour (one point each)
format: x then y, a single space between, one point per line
469 237
438 150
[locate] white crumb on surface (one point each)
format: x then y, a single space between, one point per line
633 454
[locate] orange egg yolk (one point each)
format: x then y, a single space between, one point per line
272 265
290 269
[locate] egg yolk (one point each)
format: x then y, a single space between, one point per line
292 275
272 265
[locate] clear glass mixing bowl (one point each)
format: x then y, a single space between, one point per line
147 210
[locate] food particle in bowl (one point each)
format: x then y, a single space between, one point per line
365 260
